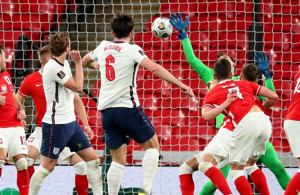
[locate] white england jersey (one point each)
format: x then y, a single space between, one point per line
60 100
118 64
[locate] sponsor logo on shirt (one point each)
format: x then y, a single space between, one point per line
37 85
4 89
61 74
142 52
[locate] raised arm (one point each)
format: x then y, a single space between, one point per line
77 83
270 95
162 73
205 72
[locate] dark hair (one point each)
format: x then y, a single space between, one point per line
44 49
58 43
250 72
224 54
1 48
222 69
122 25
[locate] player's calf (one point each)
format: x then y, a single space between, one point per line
187 185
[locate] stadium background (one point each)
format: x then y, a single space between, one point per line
215 25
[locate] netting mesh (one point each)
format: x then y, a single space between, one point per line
215 26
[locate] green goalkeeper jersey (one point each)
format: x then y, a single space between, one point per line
207 73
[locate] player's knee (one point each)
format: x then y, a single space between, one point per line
21 164
92 163
204 166
30 161
236 174
80 168
185 169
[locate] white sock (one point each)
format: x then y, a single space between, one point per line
30 161
37 179
236 174
80 168
298 171
114 178
149 165
185 169
94 177
251 169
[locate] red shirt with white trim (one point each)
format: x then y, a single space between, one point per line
8 111
238 109
294 107
33 85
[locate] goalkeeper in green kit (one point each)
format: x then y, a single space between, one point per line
218 153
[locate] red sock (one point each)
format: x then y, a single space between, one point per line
243 186
218 179
293 187
260 182
0 172
30 171
81 184
23 182
187 185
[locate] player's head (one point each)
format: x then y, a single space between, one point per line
222 70
122 26
222 55
250 72
44 54
59 43
2 59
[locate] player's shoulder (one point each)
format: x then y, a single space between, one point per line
134 46
5 73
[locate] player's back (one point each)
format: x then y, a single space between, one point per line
238 109
60 100
294 107
118 64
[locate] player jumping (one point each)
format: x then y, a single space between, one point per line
121 112
60 127
12 133
33 85
292 130
270 159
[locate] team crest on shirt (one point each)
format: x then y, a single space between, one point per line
55 150
4 89
61 74
7 80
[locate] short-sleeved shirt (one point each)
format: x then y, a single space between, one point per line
237 110
118 64
33 85
294 107
60 99
8 111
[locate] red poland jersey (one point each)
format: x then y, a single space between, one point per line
294 107
238 109
33 85
227 124
8 111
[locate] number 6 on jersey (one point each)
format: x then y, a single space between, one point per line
110 71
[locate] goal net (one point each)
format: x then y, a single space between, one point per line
215 26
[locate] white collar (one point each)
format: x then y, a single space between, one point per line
224 81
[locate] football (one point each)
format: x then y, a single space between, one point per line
161 27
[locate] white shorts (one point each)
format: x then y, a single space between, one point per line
13 140
292 131
249 138
36 138
218 147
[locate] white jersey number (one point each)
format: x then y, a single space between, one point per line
110 71
239 94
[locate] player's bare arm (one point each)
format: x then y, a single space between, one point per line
270 95
87 61
2 100
21 112
162 73
79 108
21 99
77 83
209 113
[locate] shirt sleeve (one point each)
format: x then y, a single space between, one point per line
138 54
204 72
207 101
94 53
255 88
59 74
24 89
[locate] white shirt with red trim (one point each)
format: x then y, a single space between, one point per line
118 64
237 110
60 100
294 107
